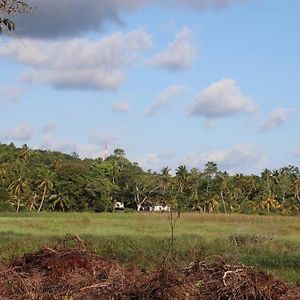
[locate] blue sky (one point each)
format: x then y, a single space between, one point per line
170 82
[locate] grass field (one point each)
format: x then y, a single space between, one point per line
270 243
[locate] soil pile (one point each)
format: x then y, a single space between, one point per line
71 272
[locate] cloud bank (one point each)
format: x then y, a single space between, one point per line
79 63
233 160
84 150
67 18
155 161
21 133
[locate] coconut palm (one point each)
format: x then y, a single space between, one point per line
182 176
18 189
46 185
297 189
270 203
59 201
3 175
210 205
165 178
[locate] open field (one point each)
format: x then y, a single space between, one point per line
270 243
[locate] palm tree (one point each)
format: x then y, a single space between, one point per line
182 175
210 171
210 205
269 203
165 171
165 178
25 153
18 189
115 171
3 175
32 203
45 186
297 189
59 200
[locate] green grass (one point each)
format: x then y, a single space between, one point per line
270 243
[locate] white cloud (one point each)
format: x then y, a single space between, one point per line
154 161
53 18
221 99
93 148
79 63
84 150
180 54
121 106
89 150
150 161
278 117
164 99
22 132
10 94
240 158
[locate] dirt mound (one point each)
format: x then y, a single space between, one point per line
70 271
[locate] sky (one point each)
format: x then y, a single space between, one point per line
172 82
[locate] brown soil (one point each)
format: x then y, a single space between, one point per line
71 273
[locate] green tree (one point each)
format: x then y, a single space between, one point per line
119 152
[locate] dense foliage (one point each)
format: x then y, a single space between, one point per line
47 180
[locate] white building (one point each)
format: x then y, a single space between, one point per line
160 208
119 206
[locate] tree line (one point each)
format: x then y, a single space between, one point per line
36 180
